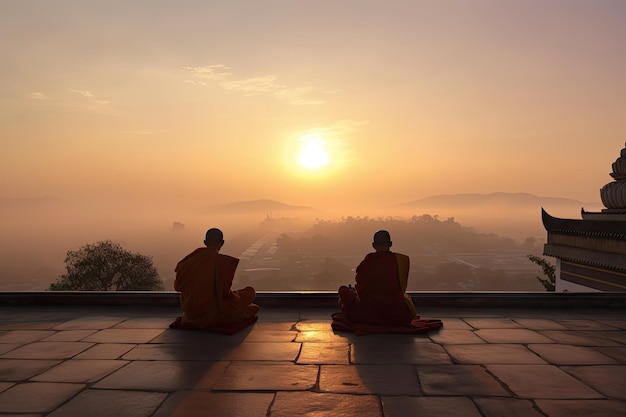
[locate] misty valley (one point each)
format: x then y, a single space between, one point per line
445 256
282 249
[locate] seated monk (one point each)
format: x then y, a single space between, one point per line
204 279
379 294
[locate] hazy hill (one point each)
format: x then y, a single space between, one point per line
260 206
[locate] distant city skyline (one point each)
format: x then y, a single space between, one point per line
330 105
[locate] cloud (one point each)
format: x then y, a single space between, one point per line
267 84
37 95
89 94
83 93
341 127
297 96
212 72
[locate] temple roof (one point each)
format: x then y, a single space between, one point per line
606 229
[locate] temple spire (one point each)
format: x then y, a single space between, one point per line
613 194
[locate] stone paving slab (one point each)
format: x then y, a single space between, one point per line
264 352
28 325
305 404
165 376
68 336
23 336
493 323
451 323
507 407
124 361
5 385
36 397
322 336
618 324
124 335
106 351
47 350
179 351
23 369
197 337
90 322
429 406
144 323
585 325
7 347
542 381
227 404
617 335
617 353
464 380
456 337
324 353
111 403
520 336
540 324
580 338
570 355
80 371
609 380
370 379
492 354
582 408
265 336
267 376
398 353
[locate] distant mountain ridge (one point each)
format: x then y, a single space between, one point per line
262 205
497 198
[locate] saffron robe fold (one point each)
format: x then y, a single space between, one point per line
204 279
381 282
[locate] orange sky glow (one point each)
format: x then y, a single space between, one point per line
188 104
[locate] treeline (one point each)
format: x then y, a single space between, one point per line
416 234
325 255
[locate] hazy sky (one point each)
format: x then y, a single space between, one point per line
209 102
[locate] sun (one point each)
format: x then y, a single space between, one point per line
313 153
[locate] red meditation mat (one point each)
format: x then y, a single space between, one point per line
416 326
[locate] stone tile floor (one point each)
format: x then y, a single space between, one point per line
124 361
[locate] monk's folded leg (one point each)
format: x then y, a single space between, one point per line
347 295
253 309
247 295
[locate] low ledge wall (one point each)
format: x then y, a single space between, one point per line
328 299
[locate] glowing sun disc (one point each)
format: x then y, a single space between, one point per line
313 155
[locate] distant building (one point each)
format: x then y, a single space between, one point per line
177 226
591 252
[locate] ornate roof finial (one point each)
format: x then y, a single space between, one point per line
613 194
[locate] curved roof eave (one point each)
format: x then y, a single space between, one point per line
607 229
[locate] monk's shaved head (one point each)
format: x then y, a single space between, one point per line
382 237
382 241
214 238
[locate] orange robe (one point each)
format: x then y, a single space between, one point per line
381 281
204 279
